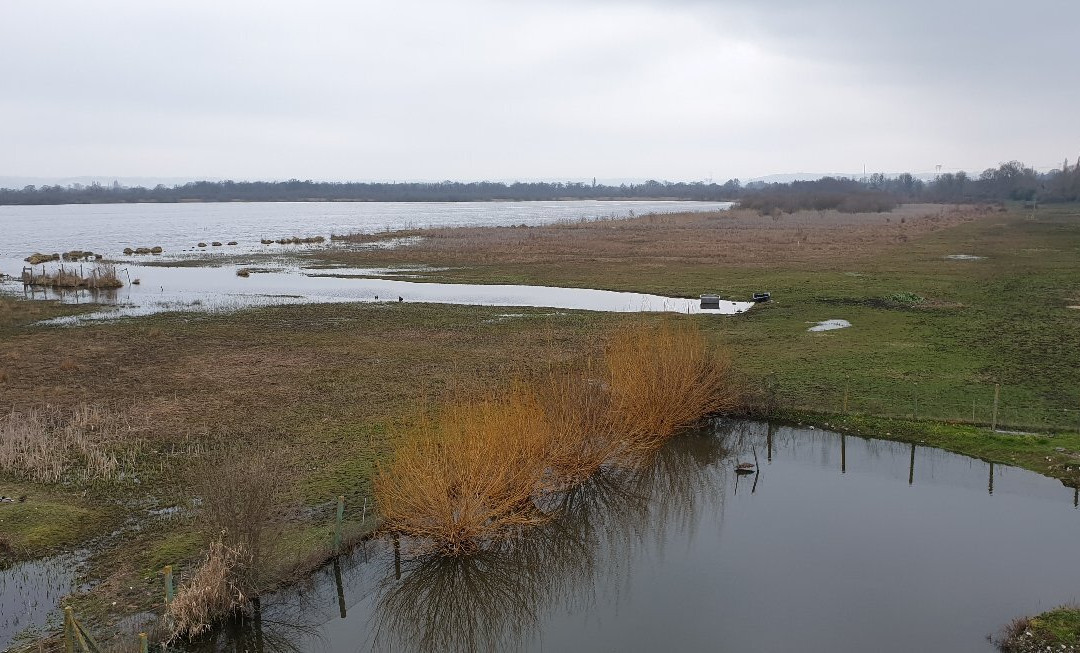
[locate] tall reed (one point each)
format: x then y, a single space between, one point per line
479 470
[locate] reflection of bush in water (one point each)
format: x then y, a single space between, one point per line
253 632
496 598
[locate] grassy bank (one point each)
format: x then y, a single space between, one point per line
1053 630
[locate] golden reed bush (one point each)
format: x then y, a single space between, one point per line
475 472
664 379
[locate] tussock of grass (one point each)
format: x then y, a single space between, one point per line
216 589
478 471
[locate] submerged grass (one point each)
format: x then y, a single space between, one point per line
479 470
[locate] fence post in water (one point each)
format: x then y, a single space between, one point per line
337 526
991 486
340 589
144 646
997 395
911 466
167 571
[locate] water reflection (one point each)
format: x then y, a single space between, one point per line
495 599
632 550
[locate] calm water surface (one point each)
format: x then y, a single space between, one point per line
838 544
109 228
280 277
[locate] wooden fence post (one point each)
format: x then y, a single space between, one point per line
997 395
167 572
69 630
144 646
338 525
847 386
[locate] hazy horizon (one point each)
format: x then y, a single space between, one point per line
682 90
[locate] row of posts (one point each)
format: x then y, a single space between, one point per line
915 411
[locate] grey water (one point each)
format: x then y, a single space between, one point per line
30 592
109 228
279 275
218 288
838 543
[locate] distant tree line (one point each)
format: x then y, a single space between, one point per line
1009 181
877 192
301 191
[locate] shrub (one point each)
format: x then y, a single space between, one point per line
479 470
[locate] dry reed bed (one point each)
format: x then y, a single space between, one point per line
101 277
480 470
50 445
735 238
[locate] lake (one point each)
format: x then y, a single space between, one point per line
839 543
109 228
281 277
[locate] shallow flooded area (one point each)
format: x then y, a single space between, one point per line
220 288
234 269
30 592
837 543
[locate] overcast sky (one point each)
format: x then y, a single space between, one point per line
467 89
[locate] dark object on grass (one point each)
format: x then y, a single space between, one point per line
762 296
400 299
710 301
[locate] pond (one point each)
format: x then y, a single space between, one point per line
838 543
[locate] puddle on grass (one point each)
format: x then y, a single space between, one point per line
837 543
210 289
964 257
31 591
830 325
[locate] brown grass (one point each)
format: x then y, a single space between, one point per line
48 445
477 473
725 239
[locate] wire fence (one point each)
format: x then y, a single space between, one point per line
990 406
